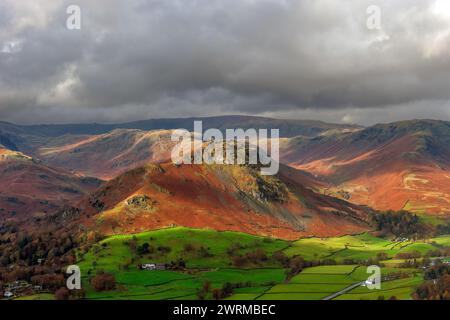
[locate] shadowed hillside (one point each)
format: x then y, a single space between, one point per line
31 189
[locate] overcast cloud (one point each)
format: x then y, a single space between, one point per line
139 59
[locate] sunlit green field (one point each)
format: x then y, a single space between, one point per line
401 289
322 281
359 247
442 240
264 281
172 285
113 252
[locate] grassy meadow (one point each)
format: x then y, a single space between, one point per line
210 257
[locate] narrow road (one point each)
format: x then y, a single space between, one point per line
345 290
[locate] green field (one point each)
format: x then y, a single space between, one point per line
442 240
358 248
171 285
401 289
111 253
264 281
322 281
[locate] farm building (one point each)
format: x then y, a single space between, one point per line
153 266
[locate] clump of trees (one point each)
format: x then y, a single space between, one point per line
408 255
62 294
145 248
103 282
204 290
400 223
49 281
443 229
37 256
437 286
28 248
179 264
255 257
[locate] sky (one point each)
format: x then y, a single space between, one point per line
336 61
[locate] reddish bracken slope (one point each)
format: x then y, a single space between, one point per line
401 165
396 166
221 197
30 189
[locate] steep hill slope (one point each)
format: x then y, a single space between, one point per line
403 165
107 155
29 188
221 197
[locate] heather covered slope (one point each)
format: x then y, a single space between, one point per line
221 197
403 165
30 188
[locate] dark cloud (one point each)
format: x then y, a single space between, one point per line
169 58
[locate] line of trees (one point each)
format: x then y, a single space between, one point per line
401 224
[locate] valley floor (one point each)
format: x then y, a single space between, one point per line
252 267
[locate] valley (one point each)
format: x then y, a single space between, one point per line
211 260
108 198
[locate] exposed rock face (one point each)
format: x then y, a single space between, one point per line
143 202
273 190
96 204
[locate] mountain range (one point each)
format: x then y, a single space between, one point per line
119 178
402 165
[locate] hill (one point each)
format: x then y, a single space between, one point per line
221 197
402 165
31 189
107 150
107 155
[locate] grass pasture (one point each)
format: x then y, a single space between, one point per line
112 253
319 282
313 283
162 285
359 247
401 289
442 240
208 259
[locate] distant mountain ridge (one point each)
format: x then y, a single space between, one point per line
288 128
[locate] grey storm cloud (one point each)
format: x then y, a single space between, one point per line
168 58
